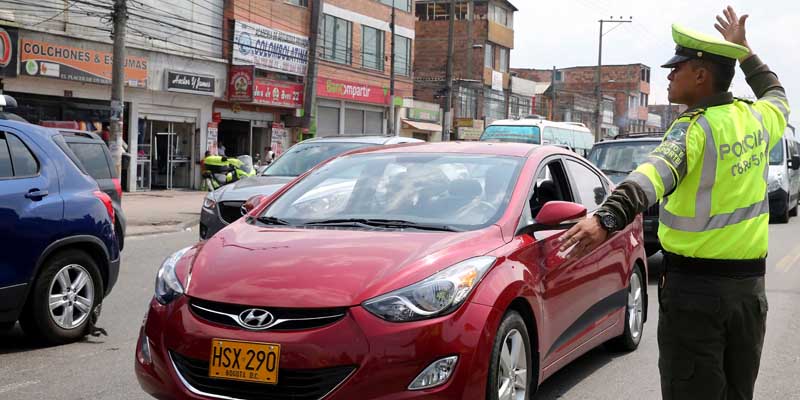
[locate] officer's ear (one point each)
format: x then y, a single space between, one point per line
702 73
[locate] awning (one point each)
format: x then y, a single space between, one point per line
423 126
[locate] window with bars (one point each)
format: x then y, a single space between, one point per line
337 40
402 55
467 103
441 11
371 48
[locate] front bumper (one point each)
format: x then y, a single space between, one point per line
386 357
210 222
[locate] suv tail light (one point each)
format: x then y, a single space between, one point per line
106 202
118 187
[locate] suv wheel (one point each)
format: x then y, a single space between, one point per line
66 293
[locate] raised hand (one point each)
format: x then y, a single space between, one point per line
732 27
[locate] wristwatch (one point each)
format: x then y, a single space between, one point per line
608 221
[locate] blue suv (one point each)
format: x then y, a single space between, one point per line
59 255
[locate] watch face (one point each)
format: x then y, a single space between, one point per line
609 221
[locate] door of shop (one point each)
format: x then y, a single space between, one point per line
169 146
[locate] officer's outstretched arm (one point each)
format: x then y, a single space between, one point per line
772 104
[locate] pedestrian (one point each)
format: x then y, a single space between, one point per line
710 175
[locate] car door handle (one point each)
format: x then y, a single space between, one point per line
36 194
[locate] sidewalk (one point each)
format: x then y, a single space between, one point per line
161 211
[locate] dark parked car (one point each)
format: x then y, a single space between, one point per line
224 205
91 154
60 254
618 158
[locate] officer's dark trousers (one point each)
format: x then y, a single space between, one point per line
710 334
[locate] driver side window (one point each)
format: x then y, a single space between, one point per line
551 184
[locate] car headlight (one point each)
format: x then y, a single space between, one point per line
168 286
209 202
435 296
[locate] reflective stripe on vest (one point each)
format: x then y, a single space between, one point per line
703 220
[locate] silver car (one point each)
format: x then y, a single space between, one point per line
224 205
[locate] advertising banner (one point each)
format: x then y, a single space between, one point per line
77 64
270 49
240 83
336 89
279 94
9 41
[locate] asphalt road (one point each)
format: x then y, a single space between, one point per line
102 368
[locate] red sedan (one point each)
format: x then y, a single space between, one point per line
427 271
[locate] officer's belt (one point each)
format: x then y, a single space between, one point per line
713 267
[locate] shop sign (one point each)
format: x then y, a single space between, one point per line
240 83
469 133
278 94
216 117
421 114
211 137
464 122
270 49
77 64
336 89
185 82
9 39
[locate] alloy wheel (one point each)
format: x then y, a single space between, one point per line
635 306
71 296
512 381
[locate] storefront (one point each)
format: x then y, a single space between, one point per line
65 82
350 108
422 120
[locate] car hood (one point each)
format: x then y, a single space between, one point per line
249 187
323 267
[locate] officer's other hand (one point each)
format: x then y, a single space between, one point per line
585 236
732 27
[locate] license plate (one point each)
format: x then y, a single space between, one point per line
244 361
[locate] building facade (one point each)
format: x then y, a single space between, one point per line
629 85
483 37
61 74
667 112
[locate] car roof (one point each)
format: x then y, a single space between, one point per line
631 140
83 134
28 127
477 148
371 139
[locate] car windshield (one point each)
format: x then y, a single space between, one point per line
304 156
512 133
425 191
776 154
618 159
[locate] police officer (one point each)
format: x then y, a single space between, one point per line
710 175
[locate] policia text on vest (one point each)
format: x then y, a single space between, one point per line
710 176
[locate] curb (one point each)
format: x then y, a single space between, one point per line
167 228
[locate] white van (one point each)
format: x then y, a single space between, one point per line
784 177
576 136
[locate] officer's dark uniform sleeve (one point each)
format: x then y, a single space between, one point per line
657 177
772 104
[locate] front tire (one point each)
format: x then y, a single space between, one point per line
67 292
511 372
634 315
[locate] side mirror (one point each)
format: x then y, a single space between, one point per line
252 203
794 162
554 214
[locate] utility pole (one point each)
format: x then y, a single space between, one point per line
598 76
470 50
120 16
392 125
553 94
309 109
448 100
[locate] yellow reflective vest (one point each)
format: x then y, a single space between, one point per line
710 174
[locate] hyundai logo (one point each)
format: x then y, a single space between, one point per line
256 319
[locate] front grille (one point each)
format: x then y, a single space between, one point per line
297 384
230 211
286 319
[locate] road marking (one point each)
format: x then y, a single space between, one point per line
15 386
788 261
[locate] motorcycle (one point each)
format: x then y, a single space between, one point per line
222 170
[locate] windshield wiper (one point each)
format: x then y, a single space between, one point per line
384 223
272 220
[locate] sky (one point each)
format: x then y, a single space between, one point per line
564 33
